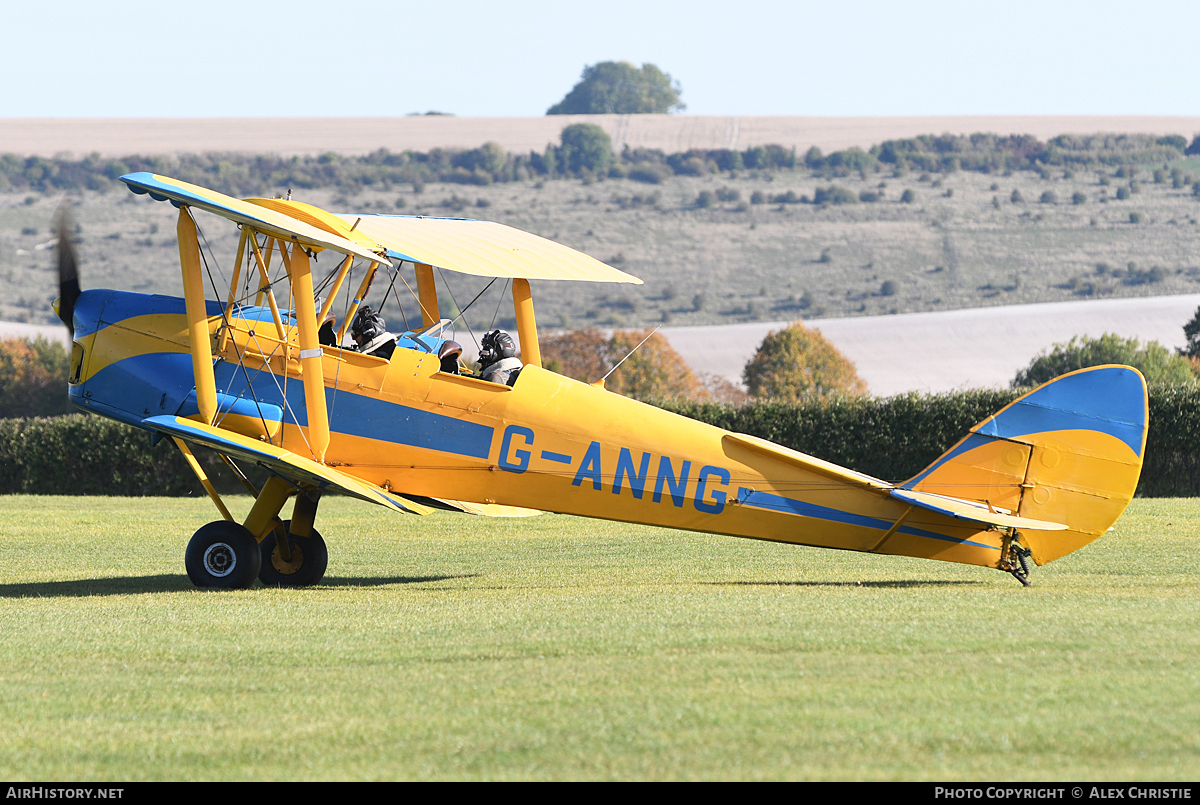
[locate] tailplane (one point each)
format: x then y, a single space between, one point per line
1068 452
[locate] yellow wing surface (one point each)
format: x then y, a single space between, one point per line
264 219
293 467
482 248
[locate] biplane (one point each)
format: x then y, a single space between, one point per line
245 371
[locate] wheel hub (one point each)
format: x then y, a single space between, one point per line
220 559
288 568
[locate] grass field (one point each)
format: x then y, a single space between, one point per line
554 647
961 243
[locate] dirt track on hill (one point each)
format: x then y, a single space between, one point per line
301 136
947 350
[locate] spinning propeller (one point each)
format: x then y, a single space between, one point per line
68 271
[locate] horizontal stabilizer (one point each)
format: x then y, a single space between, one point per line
798 459
294 468
971 511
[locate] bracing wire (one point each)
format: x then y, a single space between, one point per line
499 301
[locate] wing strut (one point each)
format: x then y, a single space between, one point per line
197 315
203 476
311 354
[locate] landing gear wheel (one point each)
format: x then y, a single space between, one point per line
307 566
222 555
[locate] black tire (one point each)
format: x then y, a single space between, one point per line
310 557
223 555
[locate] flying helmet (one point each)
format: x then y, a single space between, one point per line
366 326
496 345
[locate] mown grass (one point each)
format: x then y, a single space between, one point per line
554 647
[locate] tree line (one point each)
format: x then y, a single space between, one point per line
585 151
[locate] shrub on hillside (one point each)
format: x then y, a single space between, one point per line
834 194
585 147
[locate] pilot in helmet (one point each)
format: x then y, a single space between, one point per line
498 361
370 334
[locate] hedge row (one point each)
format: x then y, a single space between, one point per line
892 438
79 454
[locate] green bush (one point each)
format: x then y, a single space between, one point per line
585 147
1157 363
834 194
797 363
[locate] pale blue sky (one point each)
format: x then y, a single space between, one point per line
131 58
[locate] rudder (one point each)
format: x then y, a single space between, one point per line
1070 452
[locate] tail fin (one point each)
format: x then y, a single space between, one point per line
1070 452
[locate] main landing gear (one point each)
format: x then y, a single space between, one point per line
287 553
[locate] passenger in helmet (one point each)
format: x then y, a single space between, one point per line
448 355
498 361
370 334
327 332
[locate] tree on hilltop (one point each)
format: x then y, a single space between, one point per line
620 88
796 364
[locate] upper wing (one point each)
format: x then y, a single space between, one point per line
257 216
482 248
289 465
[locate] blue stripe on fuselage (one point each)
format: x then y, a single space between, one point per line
778 503
361 415
137 385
